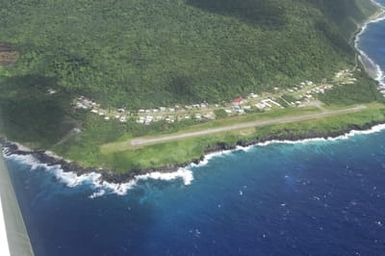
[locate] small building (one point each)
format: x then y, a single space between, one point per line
51 91
237 101
260 106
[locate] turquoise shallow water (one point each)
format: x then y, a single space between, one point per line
318 198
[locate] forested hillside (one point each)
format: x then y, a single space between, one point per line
140 53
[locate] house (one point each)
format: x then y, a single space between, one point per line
170 119
140 120
51 91
272 102
266 104
238 101
260 106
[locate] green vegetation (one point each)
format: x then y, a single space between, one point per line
152 53
363 91
289 98
141 53
220 113
183 151
29 115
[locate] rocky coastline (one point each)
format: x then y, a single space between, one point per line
48 158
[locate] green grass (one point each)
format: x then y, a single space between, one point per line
184 151
364 90
85 149
148 53
29 115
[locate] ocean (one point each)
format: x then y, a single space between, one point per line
317 197
313 198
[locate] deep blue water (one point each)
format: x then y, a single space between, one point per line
318 198
372 42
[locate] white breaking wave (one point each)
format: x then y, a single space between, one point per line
71 179
97 194
208 157
102 187
379 74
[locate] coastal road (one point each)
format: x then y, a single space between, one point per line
143 141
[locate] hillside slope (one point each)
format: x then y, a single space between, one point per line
140 53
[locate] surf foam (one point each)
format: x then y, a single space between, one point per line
378 75
208 157
71 179
102 187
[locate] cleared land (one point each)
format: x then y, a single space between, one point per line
138 142
8 56
147 55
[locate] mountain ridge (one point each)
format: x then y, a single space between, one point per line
151 53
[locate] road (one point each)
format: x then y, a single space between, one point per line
143 141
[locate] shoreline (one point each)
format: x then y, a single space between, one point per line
73 174
371 67
105 181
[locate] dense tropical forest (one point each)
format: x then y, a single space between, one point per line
152 53
141 53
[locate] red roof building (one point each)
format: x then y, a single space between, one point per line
238 101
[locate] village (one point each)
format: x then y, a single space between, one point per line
301 95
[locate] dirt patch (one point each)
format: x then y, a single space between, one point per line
8 55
